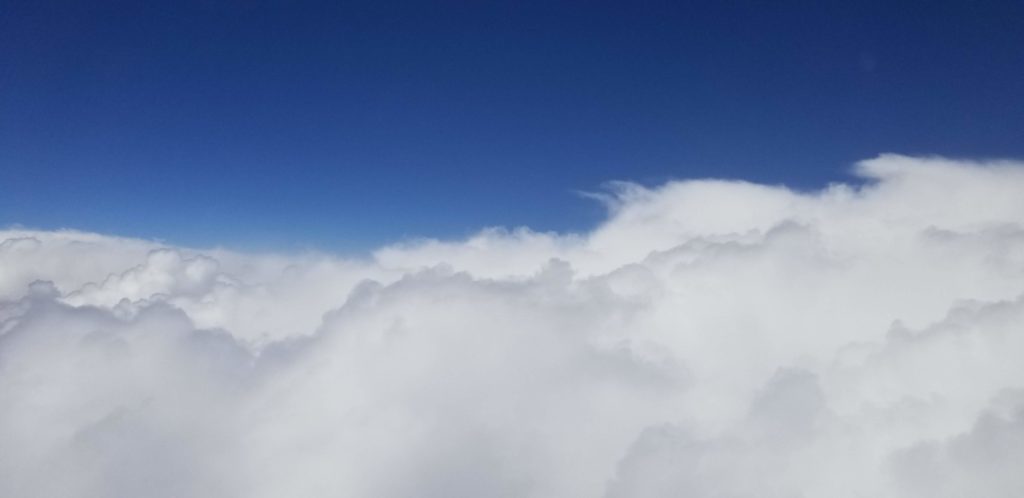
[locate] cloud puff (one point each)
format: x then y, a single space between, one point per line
709 339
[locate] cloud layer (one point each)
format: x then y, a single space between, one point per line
709 339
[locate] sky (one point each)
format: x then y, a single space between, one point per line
347 125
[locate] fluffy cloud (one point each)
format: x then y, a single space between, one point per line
709 339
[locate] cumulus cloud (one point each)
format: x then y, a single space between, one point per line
708 339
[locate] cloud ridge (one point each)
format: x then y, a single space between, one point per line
710 338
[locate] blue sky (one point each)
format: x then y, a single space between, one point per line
345 125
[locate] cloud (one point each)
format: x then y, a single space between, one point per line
708 339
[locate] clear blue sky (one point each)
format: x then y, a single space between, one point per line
342 125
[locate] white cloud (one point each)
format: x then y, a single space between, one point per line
709 339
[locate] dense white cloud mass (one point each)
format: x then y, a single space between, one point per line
709 339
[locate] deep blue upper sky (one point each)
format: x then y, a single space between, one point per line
343 125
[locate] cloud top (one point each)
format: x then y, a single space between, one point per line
708 339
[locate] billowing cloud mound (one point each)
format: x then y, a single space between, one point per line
710 339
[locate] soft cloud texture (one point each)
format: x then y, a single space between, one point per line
709 339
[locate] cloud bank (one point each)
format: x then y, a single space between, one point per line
709 339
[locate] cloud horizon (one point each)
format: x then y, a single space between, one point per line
710 338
